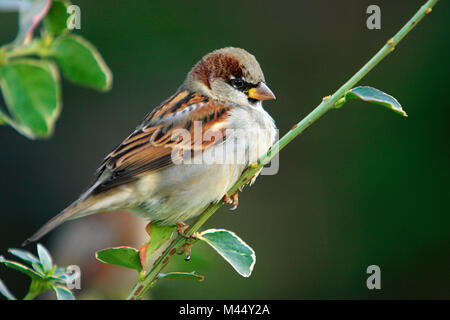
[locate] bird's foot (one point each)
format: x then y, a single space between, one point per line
187 247
181 228
233 200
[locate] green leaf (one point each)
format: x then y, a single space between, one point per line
59 273
55 21
376 96
62 293
121 256
80 62
232 248
45 258
5 292
61 276
31 13
22 268
32 95
160 237
24 255
37 266
181 275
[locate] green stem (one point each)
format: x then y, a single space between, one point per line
36 288
31 295
328 103
36 47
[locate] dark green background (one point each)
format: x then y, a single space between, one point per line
362 186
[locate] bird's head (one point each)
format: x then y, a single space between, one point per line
230 75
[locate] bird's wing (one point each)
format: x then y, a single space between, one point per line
150 147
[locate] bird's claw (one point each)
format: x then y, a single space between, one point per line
181 228
187 247
233 200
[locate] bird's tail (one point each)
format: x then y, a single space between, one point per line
87 204
76 210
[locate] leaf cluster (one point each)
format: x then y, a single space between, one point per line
30 67
44 274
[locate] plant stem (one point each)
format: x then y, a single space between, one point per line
31 295
36 288
34 48
328 103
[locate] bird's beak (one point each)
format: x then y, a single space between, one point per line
261 92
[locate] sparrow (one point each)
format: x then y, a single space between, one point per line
160 171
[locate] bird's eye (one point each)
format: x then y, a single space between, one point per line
237 83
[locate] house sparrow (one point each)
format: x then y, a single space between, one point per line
221 97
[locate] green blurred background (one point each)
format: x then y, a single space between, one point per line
362 186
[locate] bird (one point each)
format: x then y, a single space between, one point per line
160 171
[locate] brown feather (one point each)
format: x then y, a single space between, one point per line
150 147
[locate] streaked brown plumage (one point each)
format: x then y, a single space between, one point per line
223 91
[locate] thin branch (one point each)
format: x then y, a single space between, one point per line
327 104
